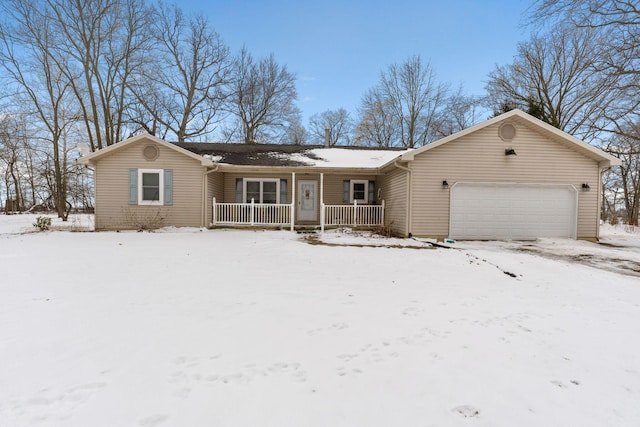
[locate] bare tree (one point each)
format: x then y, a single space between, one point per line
612 196
627 148
617 24
262 97
21 162
412 102
104 43
556 78
11 154
32 67
376 125
295 133
459 112
185 91
337 122
620 16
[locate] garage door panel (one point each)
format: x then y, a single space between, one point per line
512 211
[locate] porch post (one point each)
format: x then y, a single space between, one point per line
213 218
293 199
322 202
251 216
355 213
382 216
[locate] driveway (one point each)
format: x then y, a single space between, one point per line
616 253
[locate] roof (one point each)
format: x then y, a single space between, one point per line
294 155
318 156
604 159
96 155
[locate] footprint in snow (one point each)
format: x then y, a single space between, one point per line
153 420
466 411
347 357
560 384
341 325
342 371
412 311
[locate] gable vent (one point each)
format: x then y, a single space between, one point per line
507 132
151 152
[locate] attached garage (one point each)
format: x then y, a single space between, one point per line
509 177
512 211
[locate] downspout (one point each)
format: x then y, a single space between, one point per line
293 201
409 198
322 213
600 202
203 211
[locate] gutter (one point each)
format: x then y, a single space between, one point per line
300 169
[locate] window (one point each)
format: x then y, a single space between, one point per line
150 186
359 191
262 190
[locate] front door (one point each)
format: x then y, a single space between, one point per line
307 201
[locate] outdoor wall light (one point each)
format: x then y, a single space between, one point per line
585 187
445 184
509 152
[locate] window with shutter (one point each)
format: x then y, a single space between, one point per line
283 191
168 187
372 191
359 191
346 191
261 190
239 192
133 186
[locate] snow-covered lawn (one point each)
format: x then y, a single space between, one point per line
189 327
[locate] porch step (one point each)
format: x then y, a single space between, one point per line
306 230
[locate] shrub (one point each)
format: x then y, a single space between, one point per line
385 230
43 223
143 219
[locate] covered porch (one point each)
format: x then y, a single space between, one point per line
303 200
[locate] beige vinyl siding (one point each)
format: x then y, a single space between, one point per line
480 157
112 189
394 193
215 188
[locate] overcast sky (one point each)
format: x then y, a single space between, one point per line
337 48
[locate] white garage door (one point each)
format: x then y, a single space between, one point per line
512 211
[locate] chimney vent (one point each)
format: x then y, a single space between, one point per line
327 137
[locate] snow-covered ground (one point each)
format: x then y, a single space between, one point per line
189 327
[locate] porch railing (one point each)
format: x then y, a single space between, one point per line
353 215
251 214
268 214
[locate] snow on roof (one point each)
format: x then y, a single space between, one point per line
295 155
345 158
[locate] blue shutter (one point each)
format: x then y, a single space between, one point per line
283 191
168 187
346 189
133 186
372 192
239 198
